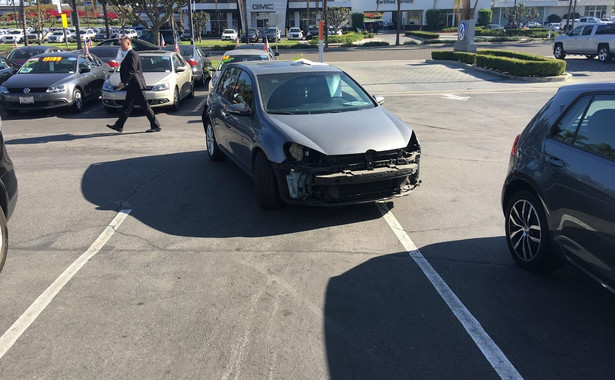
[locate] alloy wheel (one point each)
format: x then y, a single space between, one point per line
524 230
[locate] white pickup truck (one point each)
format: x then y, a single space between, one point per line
590 40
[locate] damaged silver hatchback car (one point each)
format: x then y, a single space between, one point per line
308 133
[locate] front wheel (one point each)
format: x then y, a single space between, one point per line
527 233
191 93
604 54
77 101
175 105
212 145
265 183
558 52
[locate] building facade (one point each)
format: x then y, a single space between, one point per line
289 13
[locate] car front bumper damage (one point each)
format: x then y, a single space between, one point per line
339 184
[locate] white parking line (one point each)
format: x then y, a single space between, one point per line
201 103
490 350
14 332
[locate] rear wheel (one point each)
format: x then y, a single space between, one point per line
527 233
265 183
558 51
191 94
4 238
604 54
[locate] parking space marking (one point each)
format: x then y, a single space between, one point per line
490 350
17 329
201 104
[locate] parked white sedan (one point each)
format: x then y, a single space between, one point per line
229 35
295 34
168 80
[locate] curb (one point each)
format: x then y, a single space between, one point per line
560 78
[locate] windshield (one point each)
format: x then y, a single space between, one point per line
242 58
156 64
49 65
309 93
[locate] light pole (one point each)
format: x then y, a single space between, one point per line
15 13
190 9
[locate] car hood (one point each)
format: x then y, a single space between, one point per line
37 80
345 132
150 78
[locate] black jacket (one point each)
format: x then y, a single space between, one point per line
131 72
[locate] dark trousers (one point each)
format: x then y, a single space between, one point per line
135 94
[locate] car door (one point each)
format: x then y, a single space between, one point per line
584 40
571 44
6 70
217 107
241 131
580 172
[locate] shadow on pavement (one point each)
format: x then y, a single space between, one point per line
384 320
186 194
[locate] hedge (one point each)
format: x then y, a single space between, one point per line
510 62
420 34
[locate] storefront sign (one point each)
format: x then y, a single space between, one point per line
261 7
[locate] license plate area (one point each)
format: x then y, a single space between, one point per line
26 100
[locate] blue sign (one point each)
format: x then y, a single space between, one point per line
462 31
88 3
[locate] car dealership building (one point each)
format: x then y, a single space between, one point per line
288 13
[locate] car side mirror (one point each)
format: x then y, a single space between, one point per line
180 70
379 99
240 109
84 70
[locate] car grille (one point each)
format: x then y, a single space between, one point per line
19 90
360 161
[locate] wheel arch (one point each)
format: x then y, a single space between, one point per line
521 184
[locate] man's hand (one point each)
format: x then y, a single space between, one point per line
121 85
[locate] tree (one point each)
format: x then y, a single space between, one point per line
484 16
519 15
337 16
358 19
433 19
464 10
554 18
156 12
199 19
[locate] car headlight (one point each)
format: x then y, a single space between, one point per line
108 87
4 90
58 88
296 152
161 87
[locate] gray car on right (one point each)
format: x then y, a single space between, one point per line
559 195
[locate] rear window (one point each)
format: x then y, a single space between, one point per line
606 29
22 54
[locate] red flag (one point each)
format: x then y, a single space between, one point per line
236 41
15 44
90 44
86 49
266 48
176 47
162 40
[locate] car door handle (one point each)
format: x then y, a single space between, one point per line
555 161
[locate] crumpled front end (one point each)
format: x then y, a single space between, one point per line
310 177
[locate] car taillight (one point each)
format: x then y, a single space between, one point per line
113 64
513 151
191 62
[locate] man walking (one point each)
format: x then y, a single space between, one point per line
131 77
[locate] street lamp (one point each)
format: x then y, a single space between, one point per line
15 13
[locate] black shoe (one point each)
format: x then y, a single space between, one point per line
115 127
153 129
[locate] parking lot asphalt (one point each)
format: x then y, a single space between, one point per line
197 282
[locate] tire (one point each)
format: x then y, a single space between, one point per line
207 84
77 106
212 145
590 56
175 105
558 51
604 54
4 239
191 93
527 234
265 183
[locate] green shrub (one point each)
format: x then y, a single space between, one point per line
372 43
520 67
450 29
510 62
425 35
432 19
358 19
484 16
460 56
438 41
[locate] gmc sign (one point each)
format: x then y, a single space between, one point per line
260 7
